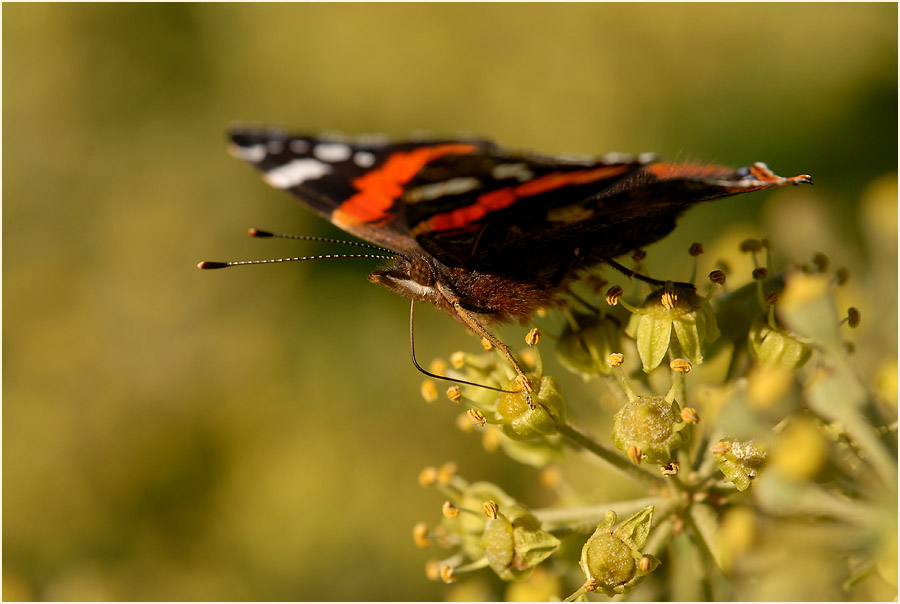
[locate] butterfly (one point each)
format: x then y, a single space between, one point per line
486 234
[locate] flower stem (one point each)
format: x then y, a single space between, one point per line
594 514
703 523
578 593
611 457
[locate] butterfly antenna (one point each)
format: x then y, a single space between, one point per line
262 234
209 265
412 348
635 275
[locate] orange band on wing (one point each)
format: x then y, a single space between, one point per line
465 217
379 189
689 171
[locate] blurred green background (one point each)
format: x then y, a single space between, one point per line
256 433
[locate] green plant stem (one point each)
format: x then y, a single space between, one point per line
839 398
702 461
703 524
471 566
578 593
678 484
706 575
613 458
594 514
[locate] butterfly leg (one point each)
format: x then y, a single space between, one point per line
473 323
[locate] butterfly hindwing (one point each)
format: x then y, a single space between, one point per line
500 206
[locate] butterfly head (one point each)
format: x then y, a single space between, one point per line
414 277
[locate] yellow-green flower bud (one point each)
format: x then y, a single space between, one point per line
537 452
651 425
514 543
739 461
468 528
611 558
670 309
738 309
607 560
499 546
520 421
584 350
776 347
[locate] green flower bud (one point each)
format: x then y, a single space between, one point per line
607 559
468 528
499 546
514 543
740 461
611 559
584 350
519 421
483 368
652 425
738 309
670 309
537 453
776 347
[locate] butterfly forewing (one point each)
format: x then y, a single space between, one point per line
475 206
355 184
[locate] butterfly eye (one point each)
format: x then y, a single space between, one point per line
420 272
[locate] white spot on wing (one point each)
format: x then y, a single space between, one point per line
332 152
576 159
616 158
296 172
454 186
518 171
253 153
364 159
275 146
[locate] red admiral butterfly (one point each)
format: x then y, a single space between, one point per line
485 234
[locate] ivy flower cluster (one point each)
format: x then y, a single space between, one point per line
777 430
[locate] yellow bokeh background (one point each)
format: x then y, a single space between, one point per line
255 434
